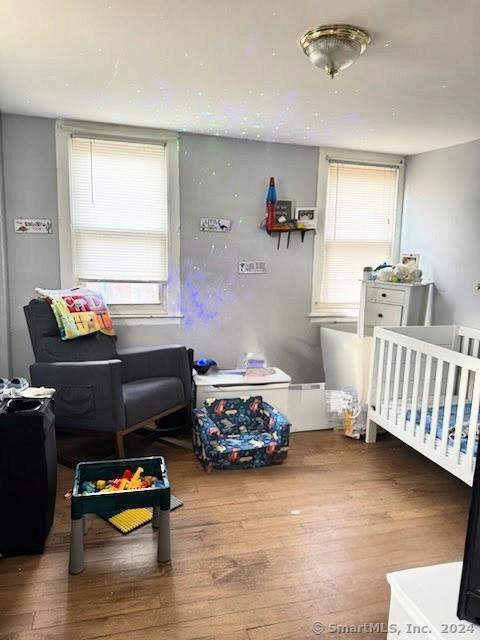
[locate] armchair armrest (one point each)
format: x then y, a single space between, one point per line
152 362
88 394
276 422
203 426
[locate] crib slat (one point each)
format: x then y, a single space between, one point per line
388 377
416 384
474 351
426 393
462 392
406 384
396 383
378 399
466 346
436 404
473 425
447 407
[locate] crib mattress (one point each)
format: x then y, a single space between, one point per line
440 421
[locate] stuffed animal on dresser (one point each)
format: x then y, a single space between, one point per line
401 273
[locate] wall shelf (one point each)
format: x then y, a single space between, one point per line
279 229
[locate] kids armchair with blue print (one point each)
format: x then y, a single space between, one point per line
239 432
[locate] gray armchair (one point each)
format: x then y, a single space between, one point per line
101 389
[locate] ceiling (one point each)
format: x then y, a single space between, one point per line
234 68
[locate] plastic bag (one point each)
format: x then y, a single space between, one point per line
356 421
335 408
345 412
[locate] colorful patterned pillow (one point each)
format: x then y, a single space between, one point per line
78 311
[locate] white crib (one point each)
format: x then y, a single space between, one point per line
424 388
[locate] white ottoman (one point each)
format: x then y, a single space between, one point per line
423 604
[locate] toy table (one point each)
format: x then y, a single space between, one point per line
106 503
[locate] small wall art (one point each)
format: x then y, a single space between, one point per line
283 211
306 217
408 258
33 225
252 266
215 225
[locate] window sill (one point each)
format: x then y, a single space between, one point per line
323 318
135 319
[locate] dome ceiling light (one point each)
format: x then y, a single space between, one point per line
334 47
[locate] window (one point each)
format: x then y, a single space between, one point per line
120 238
359 229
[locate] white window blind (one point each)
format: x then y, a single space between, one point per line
119 210
359 227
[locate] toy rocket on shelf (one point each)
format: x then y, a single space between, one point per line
270 207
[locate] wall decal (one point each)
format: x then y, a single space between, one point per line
33 225
252 266
215 225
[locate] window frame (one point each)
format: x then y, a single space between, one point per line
169 306
328 313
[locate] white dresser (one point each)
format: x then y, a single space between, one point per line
386 304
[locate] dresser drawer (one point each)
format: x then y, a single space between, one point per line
383 315
379 294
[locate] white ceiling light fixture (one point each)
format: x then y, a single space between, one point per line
334 47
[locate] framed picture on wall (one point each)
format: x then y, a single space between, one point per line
284 211
306 217
408 258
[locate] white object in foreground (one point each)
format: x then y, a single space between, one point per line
423 604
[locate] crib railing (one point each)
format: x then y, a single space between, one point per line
423 379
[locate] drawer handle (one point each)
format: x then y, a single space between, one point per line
384 295
380 315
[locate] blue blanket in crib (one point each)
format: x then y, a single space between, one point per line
451 423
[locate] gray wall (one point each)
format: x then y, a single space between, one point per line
30 191
225 314
442 222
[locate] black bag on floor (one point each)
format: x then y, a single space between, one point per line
28 475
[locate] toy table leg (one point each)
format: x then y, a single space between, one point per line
76 564
161 521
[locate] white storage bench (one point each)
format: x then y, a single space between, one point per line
303 404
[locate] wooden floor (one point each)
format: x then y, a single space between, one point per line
257 554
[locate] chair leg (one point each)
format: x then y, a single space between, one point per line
188 417
119 445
